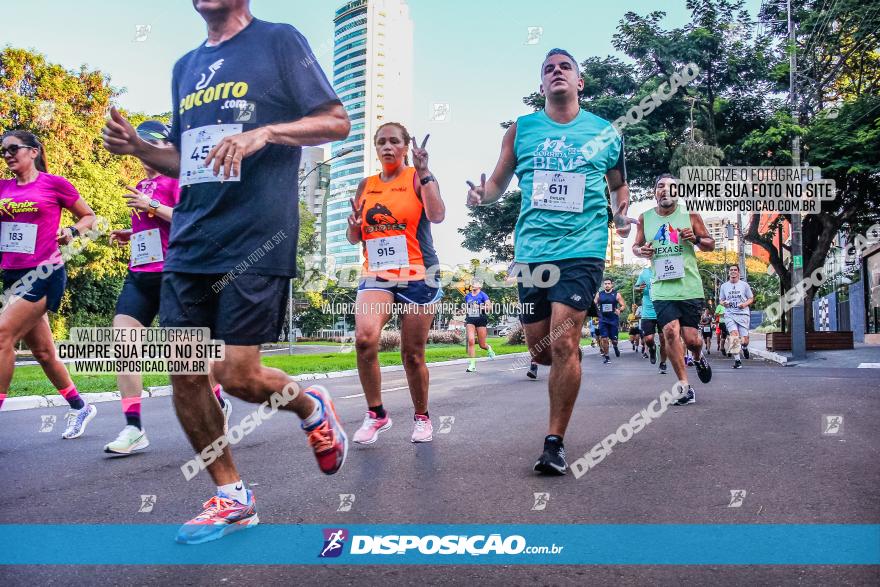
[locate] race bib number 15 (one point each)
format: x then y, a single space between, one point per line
146 247
195 144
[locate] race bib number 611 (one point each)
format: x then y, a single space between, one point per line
195 144
557 190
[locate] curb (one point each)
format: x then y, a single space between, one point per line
770 356
30 402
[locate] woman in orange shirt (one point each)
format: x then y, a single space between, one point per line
391 215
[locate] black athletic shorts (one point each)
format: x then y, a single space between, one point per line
140 296
723 328
246 310
46 281
576 287
687 312
648 326
478 321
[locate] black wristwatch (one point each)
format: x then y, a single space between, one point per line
428 179
74 231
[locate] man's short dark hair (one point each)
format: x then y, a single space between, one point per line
663 176
607 279
558 51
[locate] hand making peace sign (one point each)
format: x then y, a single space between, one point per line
477 193
420 155
354 219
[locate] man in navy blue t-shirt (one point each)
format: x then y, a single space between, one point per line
244 104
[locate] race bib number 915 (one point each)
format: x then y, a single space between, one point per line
387 252
195 144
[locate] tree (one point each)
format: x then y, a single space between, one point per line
837 117
65 109
729 98
491 227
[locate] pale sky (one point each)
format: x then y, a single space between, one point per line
471 55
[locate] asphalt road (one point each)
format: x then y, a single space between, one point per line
758 429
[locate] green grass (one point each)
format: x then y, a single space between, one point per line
30 380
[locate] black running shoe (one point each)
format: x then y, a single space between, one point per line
607 360
689 397
616 350
552 461
737 365
704 370
745 351
652 354
662 368
533 371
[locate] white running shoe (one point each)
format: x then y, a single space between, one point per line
130 440
77 421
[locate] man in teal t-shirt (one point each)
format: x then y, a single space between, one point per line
563 157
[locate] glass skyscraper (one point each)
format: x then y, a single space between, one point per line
372 74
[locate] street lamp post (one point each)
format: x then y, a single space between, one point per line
302 178
715 281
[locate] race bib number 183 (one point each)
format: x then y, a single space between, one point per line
18 237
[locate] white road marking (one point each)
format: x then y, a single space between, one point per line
383 391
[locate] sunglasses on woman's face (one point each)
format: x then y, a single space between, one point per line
12 150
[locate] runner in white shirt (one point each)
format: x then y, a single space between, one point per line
736 296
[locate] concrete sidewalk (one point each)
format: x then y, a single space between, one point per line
863 356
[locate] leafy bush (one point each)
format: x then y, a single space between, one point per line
445 337
517 335
389 340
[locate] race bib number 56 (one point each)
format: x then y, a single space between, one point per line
195 144
669 268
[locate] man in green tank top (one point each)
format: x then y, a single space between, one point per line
668 235
564 158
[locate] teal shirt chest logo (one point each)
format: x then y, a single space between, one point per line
544 145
